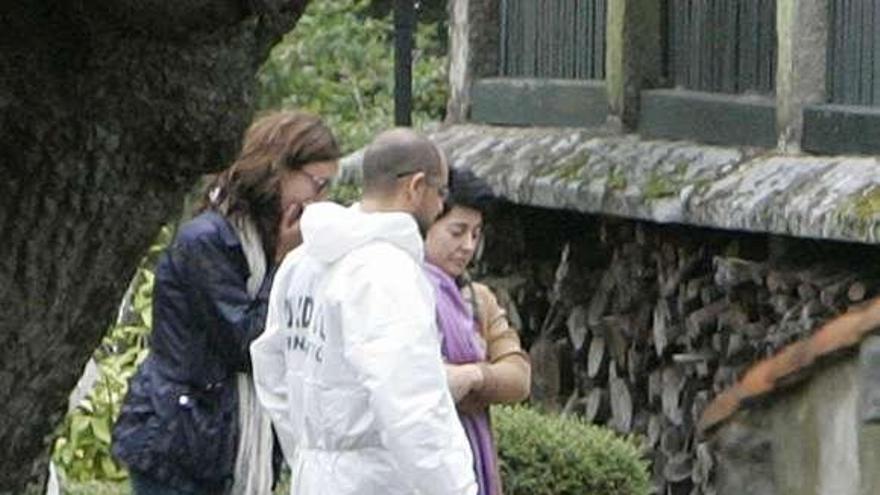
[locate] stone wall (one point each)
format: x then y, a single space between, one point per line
738 188
806 442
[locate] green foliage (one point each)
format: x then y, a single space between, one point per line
82 449
345 194
97 488
339 63
544 454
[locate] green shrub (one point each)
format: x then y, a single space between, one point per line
544 454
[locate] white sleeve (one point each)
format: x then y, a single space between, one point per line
269 362
391 340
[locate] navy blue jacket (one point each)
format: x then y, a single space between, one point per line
178 423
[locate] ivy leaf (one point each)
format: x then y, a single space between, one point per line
101 428
78 424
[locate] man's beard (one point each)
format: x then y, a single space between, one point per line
423 223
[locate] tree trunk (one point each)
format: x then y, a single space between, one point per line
109 111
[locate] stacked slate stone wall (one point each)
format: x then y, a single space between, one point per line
639 325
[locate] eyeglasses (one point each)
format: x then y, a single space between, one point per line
321 184
442 189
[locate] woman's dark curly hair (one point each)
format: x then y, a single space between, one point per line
468 190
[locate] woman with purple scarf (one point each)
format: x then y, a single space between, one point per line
485 361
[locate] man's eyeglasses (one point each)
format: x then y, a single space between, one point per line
442 189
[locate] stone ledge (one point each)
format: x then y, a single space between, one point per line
735 188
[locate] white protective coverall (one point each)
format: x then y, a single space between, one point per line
349 366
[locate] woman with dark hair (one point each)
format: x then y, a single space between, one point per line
485 362
190 423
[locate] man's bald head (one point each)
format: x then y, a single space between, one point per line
396 153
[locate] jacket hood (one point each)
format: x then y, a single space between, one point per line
331 231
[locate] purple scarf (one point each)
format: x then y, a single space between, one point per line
460 345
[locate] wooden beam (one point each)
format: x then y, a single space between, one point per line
474 50
802 38
708 117
633 55
841 129
553 102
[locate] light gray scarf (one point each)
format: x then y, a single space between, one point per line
253 461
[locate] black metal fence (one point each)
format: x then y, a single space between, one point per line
854 52
723 46
553 39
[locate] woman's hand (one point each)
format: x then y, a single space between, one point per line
289 233
463 379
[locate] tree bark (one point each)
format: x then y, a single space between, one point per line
109 111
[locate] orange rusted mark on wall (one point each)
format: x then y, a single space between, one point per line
793 363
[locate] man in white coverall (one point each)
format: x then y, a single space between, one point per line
349 366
